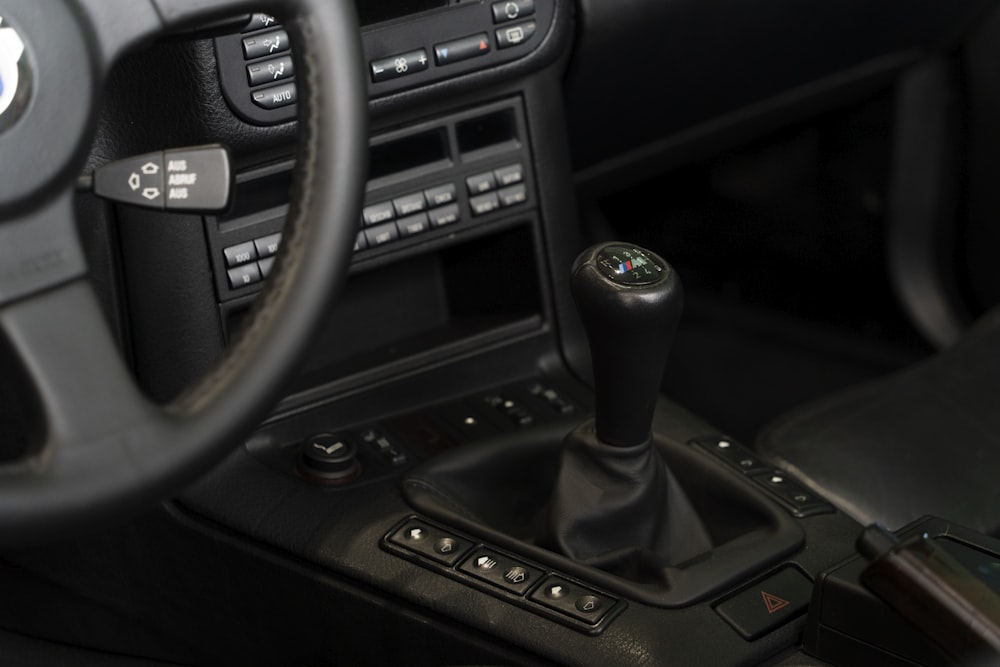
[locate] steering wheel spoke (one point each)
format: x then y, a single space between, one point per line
86 394
39 249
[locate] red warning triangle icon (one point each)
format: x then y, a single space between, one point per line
773 602
483 45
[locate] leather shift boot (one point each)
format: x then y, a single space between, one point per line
612 505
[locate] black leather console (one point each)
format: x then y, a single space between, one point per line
924 441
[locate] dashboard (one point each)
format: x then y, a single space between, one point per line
505 137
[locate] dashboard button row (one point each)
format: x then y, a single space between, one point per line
797 499
490 180
397 65
529 584
408 215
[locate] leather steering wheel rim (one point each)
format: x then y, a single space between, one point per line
109 452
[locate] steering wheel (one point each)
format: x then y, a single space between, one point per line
107 450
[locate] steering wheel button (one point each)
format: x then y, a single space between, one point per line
244 276
265 44
240 254
275 97
360 242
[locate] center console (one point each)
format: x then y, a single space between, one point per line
455 363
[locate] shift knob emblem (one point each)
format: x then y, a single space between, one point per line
628 265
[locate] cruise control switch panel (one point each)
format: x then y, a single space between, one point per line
197 179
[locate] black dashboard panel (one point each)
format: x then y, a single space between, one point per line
690 62
446 41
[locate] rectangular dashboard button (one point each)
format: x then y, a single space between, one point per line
381 234
512 10
265 44
268 71
275 97
757 610
515 34
462 49
444 215
393 67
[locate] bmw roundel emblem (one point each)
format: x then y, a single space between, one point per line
15 79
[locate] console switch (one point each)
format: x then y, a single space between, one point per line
462 49
767 604
266 44
512 10
403 64
275 97
572 599
515 34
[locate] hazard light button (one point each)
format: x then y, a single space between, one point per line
769 603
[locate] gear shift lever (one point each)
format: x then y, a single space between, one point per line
614 503
630 301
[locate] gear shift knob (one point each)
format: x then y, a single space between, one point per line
630 301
